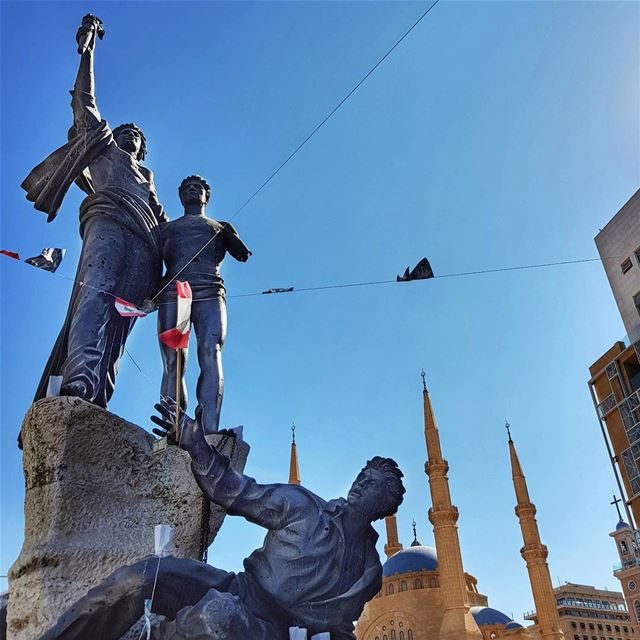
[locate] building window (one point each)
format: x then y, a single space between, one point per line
433 583
626 265
636 607
390 590
418 583
623 547
409 635
403 585
402 635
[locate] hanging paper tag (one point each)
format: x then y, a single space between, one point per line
163 537
53 386
325 635
297 633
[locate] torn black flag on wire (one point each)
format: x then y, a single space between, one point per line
422 271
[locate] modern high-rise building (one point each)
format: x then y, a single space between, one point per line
615 388
618 245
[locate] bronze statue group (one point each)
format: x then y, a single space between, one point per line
318 565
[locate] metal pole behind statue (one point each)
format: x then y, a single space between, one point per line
178 385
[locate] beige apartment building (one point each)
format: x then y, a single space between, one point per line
587 613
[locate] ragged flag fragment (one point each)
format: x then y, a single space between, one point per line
128 309
422 271
49 259
178 337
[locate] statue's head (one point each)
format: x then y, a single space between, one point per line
377 491
129 138
194 190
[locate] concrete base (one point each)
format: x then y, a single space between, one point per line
94 492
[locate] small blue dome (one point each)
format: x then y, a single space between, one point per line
487 615
513 625
622 525
412 559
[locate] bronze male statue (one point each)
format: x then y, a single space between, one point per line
317 568
193 247
119 226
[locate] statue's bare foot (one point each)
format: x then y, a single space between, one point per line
75 389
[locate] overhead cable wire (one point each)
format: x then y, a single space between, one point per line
335 109
313 132
444 275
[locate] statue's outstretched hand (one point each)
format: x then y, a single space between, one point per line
90 28
190 432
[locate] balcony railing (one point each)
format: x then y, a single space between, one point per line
607 405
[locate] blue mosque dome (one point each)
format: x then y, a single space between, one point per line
622 525
487 615
513 625
415 558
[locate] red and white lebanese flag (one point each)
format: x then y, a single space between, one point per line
128 309
178 338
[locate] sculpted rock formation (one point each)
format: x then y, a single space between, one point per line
94 492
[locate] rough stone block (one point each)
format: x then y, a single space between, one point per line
94 492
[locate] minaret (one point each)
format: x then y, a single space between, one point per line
393 545
294 469
534 554
457 621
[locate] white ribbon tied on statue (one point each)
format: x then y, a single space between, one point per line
163 538
146 630
297 633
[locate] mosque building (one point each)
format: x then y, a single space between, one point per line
427 595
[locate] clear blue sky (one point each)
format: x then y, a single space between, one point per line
497 134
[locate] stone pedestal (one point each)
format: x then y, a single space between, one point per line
94 492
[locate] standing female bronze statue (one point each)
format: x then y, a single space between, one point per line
119 220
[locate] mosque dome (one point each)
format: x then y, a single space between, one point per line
487 615
622 525
415 558
513 625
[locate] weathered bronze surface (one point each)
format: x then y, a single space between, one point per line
193 248
119 226
317 568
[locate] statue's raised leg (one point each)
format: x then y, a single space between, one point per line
110 609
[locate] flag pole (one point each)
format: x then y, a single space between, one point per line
178 385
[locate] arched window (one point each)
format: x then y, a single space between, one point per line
402 635
432 582
418 583
403 585
636 607
393 634
390 589
409 635
623 547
